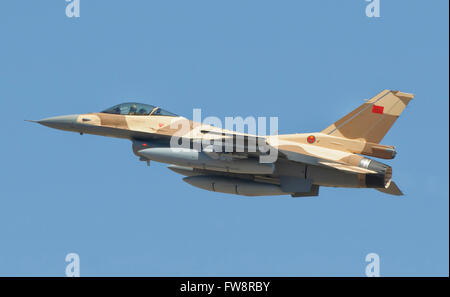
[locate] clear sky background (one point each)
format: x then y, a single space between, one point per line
307 62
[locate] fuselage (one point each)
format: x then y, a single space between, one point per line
223 160
299 157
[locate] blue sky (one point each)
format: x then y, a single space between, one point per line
307 62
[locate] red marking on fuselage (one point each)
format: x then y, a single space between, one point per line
311 139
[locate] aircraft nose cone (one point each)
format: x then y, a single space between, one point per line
66 122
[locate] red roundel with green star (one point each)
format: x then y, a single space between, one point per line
311 139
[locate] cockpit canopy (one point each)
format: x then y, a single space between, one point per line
133 108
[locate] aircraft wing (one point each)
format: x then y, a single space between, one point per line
236 145
393 189
251 145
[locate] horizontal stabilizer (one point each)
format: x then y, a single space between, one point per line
393 189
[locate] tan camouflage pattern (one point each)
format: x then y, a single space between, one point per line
339 146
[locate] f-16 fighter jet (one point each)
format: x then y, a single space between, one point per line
231 162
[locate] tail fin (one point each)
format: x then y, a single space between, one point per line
371 121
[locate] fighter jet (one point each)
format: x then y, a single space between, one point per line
232 162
